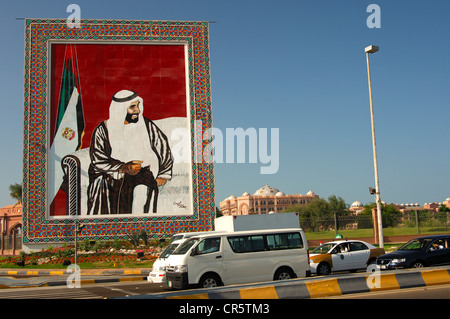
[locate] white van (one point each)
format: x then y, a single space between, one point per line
158 272
215 259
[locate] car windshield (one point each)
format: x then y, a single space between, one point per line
184 247
416 244
168 251
323 249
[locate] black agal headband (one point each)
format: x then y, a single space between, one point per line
124 99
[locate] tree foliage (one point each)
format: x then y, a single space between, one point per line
320 212
390 215
337 206
16 192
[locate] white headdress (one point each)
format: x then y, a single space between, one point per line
129 142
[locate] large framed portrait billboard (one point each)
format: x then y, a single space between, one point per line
113 112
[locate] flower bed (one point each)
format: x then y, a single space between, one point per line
106 253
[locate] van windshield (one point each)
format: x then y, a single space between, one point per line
168 251
184 247
175 237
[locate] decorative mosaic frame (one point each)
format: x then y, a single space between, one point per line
37 227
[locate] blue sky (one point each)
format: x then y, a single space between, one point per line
298 66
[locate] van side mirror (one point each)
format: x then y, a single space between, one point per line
194 252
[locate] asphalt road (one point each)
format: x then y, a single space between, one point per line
121 289
124 289
94 291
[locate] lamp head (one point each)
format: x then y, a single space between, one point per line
79 227
372 49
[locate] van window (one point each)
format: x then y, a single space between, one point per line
255 243
209 245
284 241
246 244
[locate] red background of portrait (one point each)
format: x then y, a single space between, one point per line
157 73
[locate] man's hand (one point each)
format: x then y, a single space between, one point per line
132 168
160 181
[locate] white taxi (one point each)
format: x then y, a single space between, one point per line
342 255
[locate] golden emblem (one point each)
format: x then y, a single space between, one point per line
68 133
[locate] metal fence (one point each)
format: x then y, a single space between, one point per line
429 221
9 242
413 223
336 223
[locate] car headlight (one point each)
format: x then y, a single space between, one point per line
181 268
398 261
162 268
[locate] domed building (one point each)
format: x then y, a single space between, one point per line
356 207
266 191
447 202
265 200
406 208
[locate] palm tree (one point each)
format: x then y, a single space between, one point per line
16 192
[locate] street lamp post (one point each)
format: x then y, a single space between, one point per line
373 49
78 227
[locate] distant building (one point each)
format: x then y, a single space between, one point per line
447 202
265 200
411 207
407 208
356 208
10 229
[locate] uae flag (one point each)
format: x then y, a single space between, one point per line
69 127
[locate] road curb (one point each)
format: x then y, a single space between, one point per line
53 272
317 287
92 276
94 281
81 282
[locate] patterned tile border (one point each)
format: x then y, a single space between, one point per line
39 33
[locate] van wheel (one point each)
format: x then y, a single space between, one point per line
283 274
209 280
323 269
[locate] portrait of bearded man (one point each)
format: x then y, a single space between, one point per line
130 159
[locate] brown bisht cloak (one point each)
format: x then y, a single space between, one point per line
111 192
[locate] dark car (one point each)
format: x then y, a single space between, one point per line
418 252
